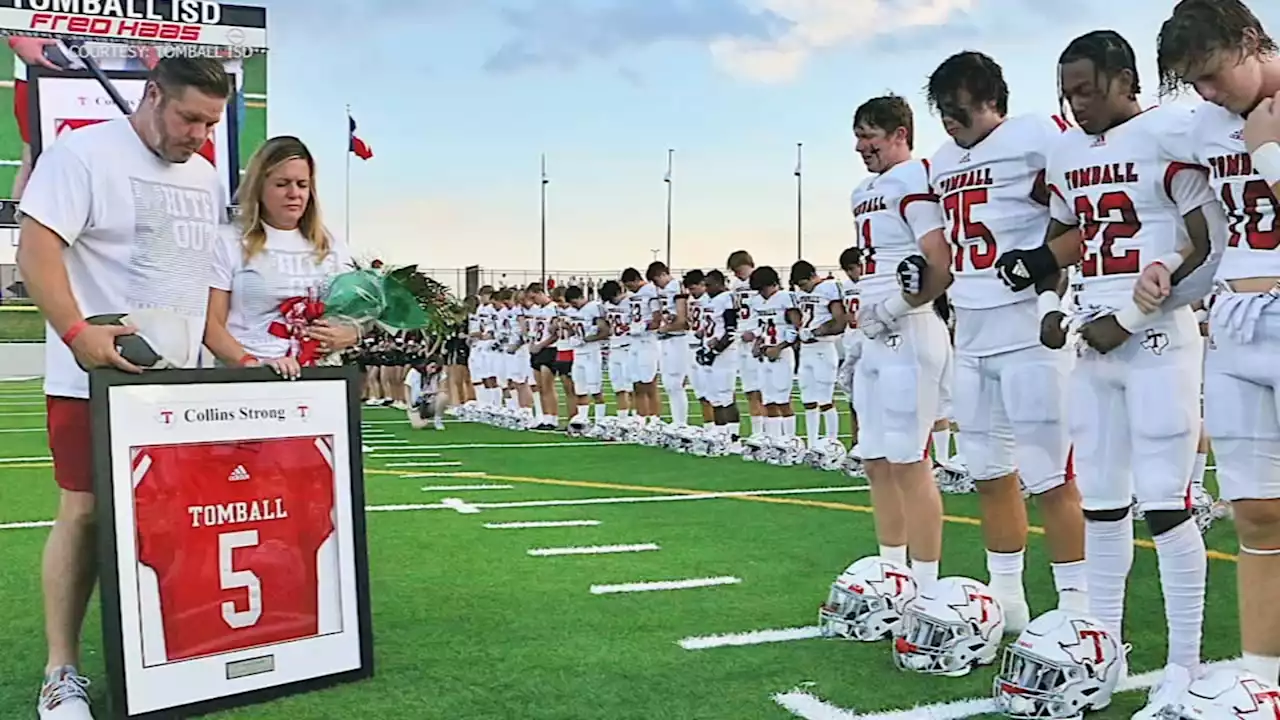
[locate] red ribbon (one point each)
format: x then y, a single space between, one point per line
298 313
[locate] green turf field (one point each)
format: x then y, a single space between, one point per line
469 625
22 323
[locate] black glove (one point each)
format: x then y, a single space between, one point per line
706 356
911 274
1020 269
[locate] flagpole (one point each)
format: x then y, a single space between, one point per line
799 204
544 218
348 180
670 155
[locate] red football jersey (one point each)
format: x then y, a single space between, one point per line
232 531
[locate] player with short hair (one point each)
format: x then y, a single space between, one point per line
741 264
590 329
694 282
542 354
1220 48
673 341
778 320
851 265
1121 180
720 324
564 345
646 318
99 234
822 323
899 229
617 312
1009 389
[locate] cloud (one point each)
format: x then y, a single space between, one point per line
561 33
821 24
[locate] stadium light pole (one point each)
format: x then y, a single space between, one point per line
667 179
799 203
544 218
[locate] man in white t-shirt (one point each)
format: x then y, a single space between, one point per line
116 217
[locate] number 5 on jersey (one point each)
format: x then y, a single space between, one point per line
232 579
965 231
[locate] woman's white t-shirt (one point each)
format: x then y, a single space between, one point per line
286 267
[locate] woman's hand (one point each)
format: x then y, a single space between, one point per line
286 367
333 336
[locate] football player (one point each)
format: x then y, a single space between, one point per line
519 368
851 264
822 322
502 341
777 322
542 354
563 367
897 381
720 323
646 318
590 330
745 299
673 342
1118 178
1009 389
617 311
696 285
475 355
1220 48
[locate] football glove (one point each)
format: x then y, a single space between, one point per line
707 356
876 320
911 274
1020 269
806 335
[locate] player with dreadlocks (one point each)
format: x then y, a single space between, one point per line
1122 180
1009 390
1219 48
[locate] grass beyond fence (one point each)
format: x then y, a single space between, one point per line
21 323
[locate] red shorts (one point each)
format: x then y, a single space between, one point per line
564 356
70 443
21 110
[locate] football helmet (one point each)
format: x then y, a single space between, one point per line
161 340
867 600
949 629
1224 692
1061 665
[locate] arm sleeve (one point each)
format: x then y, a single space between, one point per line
59 193
1186 179
923 214
226 258
1188 186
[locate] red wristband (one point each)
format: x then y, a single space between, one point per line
71 334
248 361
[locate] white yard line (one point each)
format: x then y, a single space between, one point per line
42 458
810 707
461 488
755 637
23 430
460 505
454 474
618 500
663 585
396 454
541 524
592 550
26 525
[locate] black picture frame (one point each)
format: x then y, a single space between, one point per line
100 382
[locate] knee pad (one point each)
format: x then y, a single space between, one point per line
1160 522
1106 515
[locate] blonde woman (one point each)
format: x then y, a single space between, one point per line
278 249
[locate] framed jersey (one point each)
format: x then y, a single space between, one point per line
231 536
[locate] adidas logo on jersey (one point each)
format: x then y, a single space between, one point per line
238 475
964 158
1099 141
1237 135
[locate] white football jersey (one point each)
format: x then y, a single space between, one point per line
504 334
488 316
815 306
564 327
669 296
714 327
892 212
1253 247
745 301
540 320
697 308
850 295
771 315
618 316
986 197
519 334
1123 190
644 303
584 323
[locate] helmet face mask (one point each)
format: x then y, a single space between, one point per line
949 630
867 601
1062 665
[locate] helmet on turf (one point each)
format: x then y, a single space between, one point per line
1227 693
867 600
1062 664
952 627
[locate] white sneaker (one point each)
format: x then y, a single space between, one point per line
63 696
439 424
1173 684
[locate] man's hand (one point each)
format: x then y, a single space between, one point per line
1263 124
911 274
31 50
806 336
1152 287
773 352
95 347
1053 331
876 321
1020 269
1104 334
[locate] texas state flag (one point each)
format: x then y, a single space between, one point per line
358 146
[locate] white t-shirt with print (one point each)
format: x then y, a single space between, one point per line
140 233
286 267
